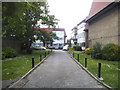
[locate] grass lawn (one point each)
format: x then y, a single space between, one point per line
109 70
18 66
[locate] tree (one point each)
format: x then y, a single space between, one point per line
20 20
12 24
45 37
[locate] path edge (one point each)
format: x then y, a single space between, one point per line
85 69
29 72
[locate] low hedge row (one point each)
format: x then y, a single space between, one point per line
108 52
76 48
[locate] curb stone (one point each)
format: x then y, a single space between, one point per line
107 86
30 71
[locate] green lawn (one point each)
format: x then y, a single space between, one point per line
18 66
109 70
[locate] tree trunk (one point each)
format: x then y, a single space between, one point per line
28 49
43 43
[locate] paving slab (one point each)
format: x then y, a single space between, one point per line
58 71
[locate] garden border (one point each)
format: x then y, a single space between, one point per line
29 72
107 86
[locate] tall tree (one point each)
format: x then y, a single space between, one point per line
20 20
45 37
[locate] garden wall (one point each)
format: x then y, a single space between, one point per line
15 44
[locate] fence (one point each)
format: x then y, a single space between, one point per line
11 43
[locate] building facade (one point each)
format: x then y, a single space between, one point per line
81 34
60 42
57 43
78 34
104 24
74 36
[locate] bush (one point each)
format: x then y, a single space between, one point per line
70 48
96 51
111 52
77 48
118 54
87 51
9 52
3 55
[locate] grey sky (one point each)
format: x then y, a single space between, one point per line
69 12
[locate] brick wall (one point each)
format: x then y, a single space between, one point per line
11 43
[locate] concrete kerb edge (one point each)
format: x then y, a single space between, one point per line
30 71
107 86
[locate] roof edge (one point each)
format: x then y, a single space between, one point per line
101 11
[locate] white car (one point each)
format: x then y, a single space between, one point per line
37 47
65 47
56 47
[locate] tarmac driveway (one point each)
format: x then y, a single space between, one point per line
59 71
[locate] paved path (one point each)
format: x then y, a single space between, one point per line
59 71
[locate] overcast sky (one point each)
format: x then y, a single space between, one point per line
69 12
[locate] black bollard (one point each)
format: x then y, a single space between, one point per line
32 62
85 62
99 70
45 54
78 57
73 55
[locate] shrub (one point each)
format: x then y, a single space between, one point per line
9 52
111 52
77 48
74 47
3 55
87 51
70 48
118 54
96 51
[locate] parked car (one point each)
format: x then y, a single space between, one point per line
56 47
66 47
83 48
50 47
43 48
37 47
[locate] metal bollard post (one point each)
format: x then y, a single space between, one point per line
85 62
73 55
78 57
45 54
40 57
99 70
32 62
